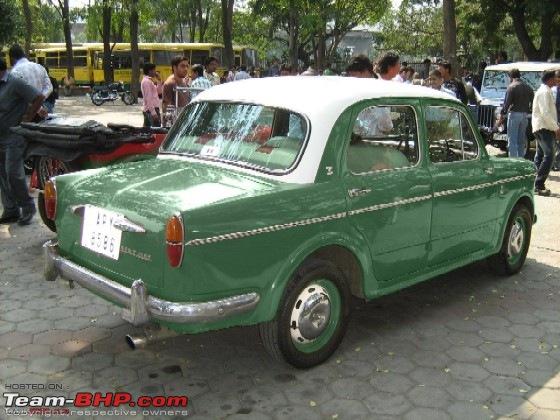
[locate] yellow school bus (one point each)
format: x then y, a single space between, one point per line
89 58
56 60
160 54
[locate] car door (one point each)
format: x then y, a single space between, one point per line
389 191
465 194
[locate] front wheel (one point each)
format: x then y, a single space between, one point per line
515 244
312 316
128 98
97 99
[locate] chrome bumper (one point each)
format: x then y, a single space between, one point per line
138 307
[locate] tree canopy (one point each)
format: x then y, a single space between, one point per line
302 31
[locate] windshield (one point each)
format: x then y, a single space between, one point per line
499 80
263 138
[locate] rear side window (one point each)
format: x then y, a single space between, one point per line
450 136
383 137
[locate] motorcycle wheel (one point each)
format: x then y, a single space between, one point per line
46 168
128 98
97 99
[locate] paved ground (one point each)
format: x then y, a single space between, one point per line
466 345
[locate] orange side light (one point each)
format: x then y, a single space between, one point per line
175 240
50 199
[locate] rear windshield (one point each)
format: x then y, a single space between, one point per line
255 136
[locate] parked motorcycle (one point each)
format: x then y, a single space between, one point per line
111 92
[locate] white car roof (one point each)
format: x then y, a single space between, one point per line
311 94
525 66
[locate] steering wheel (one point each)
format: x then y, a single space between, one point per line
442 153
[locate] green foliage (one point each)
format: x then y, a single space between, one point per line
413 28
320 23
11 24
47 24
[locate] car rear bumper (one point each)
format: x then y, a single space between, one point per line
139 307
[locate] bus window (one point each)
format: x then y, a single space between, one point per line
217 52
122 60
198 56
52 59
163 58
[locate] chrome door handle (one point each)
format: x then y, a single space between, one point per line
489 170
356 192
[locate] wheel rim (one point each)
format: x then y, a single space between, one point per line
516 242
50 167
315 316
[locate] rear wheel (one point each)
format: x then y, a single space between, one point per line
46 168
128 98
312 316
97 99
515 244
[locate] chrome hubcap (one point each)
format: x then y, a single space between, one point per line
516 238
311 314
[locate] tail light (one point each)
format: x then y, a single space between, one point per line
50 199
175 240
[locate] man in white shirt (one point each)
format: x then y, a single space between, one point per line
34 74
546 130
435 81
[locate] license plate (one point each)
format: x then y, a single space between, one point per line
98 233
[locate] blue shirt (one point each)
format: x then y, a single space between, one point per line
200 82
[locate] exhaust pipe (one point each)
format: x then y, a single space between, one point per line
149 336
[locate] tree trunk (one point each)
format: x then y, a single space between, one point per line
293 29
227 27
450 36
65 9
192 26
134 54
529 49
107 59
321 48
28 25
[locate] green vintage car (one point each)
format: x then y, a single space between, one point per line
273 201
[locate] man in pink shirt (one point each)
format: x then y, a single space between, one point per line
150 96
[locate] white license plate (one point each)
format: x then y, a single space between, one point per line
98 233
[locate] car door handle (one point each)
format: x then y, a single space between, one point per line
356 192
489 171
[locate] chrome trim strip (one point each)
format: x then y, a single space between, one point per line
139 306
389 205
275 228
266 229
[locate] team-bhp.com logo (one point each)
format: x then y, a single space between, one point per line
94 404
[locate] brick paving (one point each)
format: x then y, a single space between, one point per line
466 345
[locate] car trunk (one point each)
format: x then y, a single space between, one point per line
146 194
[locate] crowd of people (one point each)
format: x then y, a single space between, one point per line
519 101
27 93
